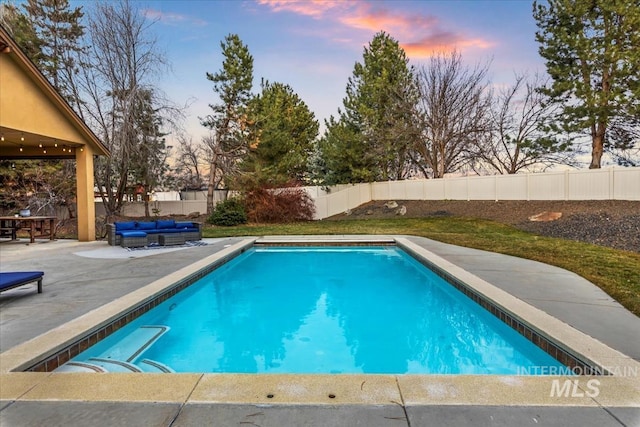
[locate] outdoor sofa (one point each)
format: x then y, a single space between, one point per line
143 233
15 279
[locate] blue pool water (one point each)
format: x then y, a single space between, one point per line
321 310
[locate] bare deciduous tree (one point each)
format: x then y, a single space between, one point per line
188 166
223 163
118 77
453 112
519 138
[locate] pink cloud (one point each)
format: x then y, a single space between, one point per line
420 35
366 18
314 8
444 42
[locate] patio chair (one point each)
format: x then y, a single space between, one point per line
10 280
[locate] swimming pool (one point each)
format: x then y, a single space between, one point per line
318 310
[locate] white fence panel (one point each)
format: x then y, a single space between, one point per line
398 190
331 204
626 184
380 191
338 202
365 193
218 195
547 186
415 190
316 191
482 187
434 189
512 187
589 185
322 207
182 207
456 188
353 196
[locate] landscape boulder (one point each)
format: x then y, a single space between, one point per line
391 204
545 216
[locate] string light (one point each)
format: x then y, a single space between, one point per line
22 137
21 148
2 137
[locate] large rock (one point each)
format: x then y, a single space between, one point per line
402 211
391 204
545 216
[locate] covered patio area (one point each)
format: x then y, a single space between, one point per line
36 123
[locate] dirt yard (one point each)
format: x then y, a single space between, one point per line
613 223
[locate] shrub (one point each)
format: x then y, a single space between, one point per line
228 213
268 205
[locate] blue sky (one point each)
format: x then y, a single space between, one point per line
312 45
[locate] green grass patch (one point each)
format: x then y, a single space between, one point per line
615 271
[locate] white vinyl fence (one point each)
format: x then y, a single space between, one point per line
596 184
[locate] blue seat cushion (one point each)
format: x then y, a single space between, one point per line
166 223
133 234
122 226
184 224
9 279
146 225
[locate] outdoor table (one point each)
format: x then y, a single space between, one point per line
171 239
45 225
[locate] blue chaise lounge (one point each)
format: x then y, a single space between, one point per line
10 280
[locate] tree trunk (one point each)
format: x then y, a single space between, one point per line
145 197
212 183
597 145
210 189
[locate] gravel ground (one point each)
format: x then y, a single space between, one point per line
613 223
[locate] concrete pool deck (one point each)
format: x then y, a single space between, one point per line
81 277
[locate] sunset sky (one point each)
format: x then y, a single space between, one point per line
312 45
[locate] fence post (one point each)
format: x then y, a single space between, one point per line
467 185
612 187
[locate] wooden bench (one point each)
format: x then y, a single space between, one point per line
10 280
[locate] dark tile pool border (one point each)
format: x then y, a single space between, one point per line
552 347
71 351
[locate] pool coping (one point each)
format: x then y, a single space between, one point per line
612 390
